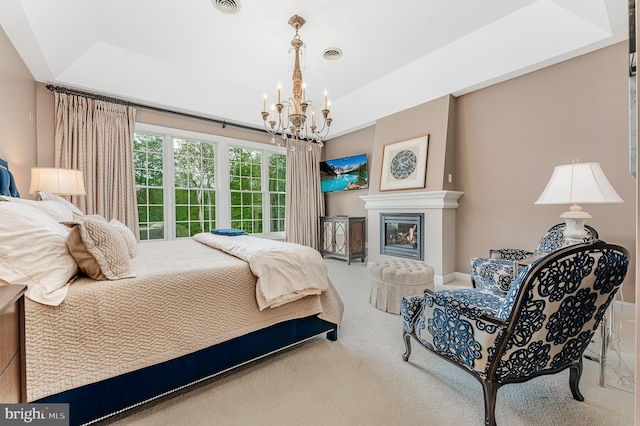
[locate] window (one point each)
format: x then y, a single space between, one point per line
245 182
148 160
277 188
195 187
189 183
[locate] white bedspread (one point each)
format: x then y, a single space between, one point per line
285 271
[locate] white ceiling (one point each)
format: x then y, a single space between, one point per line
187 56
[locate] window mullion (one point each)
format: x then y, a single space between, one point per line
266 199
169 192
223 190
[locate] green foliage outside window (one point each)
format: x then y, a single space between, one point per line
245 182
148 167
277 188
194 187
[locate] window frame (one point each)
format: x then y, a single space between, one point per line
222 187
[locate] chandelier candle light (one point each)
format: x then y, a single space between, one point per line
292 113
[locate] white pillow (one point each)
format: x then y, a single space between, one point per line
128 235
54 209
44 195
33 251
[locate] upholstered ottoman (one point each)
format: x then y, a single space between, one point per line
394 279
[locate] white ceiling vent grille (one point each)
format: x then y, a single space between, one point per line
228 7
332 53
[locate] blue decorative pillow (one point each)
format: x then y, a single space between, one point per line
229 232
7 183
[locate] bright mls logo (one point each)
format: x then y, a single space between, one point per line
34 414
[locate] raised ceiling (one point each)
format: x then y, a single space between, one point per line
187 56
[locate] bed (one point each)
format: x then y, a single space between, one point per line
183 312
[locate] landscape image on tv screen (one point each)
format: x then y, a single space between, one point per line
344 174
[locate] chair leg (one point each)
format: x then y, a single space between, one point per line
575 373
407 345
490 394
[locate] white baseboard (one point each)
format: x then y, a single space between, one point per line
454 277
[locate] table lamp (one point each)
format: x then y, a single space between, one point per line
578 183
57 181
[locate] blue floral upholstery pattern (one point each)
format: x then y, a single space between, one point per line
542 325
501 267
452 323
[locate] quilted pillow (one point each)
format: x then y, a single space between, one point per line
128 235
99 249
33 252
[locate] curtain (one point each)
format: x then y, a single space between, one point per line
304 200
96 137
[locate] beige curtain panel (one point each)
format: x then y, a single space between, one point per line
96 137
304 201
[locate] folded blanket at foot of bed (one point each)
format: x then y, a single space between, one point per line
285 271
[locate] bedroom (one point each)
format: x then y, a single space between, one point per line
576 108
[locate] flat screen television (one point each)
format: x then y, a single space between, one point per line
344 174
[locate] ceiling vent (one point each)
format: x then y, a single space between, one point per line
228 7
332 53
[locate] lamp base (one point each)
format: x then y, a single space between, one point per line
575 218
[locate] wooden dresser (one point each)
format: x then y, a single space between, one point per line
13 386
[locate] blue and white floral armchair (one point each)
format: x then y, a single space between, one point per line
541 326
501 267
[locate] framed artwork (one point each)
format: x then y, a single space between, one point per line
404 164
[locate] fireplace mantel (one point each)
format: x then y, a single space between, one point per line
415 200
439 208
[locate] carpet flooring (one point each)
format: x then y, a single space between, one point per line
361 380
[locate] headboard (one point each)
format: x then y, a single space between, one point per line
7 183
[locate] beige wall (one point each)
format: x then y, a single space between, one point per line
17 114
45 126
431 118
355 143
506 139
510 137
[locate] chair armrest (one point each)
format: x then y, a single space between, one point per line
509 253
493 320
457 325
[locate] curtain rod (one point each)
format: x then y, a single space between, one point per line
69 91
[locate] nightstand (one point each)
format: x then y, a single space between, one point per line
13 386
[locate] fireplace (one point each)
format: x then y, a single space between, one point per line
401 235
438 210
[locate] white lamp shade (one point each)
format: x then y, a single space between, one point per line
57 181
579 183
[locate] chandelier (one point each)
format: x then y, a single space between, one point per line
297 115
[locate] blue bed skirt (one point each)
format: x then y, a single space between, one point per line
99 400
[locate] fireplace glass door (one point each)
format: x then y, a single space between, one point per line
401 235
